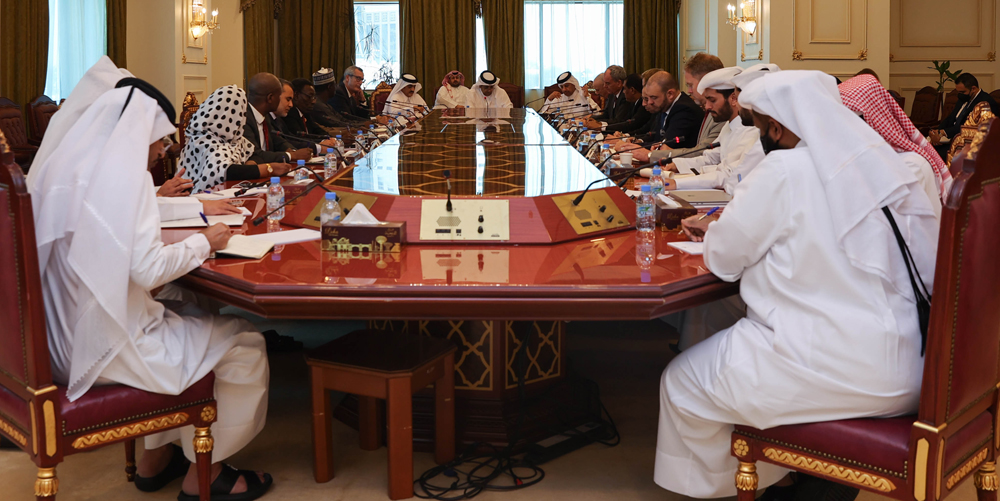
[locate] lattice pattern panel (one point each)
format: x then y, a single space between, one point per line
474 338
544 351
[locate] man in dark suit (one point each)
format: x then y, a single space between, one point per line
676 115
616 106
637 116
344 101
264 96
303 100
969 95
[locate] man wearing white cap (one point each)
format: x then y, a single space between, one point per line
832 329
322 113
404 97
570 98
487 93
739 150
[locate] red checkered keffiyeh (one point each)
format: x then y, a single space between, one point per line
864 94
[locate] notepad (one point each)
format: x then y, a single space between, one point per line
230 193
288 236
197 222
244 246
694 248
703 197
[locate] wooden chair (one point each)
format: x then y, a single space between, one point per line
950 100
549 90
996 95
515 93
979 115
389 366
40 112
12 126
900 100
34 412
379 97
926 107
955 434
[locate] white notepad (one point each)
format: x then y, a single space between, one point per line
197 222
243 246
694 248
288 236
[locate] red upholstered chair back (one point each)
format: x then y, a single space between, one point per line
550 89
40 112
24 353
12 124
515 93
926 106
962 365
996 96
950 100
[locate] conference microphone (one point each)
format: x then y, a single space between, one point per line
256 222
340 156
662 162
447 179
578 199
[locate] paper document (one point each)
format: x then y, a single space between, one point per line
228 220
694 248
230 193
288 236
243 246
669 201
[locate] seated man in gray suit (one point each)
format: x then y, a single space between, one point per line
264 94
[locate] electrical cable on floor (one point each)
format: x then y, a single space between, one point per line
471 473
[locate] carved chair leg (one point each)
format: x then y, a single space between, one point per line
987 482
46 485
130 460
746 481
203 444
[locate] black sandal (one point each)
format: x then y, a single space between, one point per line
176 468
223 486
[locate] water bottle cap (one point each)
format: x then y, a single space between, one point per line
605 146
301 163
275 180
338 136
329 150
331 195
657 171
645 188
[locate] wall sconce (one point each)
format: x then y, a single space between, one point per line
199 25
747 20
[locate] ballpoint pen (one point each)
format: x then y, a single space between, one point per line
203 218
709 213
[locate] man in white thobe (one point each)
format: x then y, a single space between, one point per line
103 324
404 98
452 92
570 98
486 93
831 330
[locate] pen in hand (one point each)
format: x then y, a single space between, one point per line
203 218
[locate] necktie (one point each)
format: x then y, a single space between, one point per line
266 140
305 127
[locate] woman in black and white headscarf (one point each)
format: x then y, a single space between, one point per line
216 150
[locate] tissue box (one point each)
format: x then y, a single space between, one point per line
363 238
361 264
670 216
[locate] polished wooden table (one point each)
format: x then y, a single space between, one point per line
492 299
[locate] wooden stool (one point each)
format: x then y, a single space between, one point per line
375 364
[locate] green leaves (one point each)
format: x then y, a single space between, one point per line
944 76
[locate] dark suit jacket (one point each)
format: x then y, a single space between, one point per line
296 123
616 109
952 124
683 119
279 145
637 118
344 103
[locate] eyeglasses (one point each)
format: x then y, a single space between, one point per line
356 76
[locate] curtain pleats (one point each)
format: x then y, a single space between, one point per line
258 37
503 24
314 34
437 36
24 49
116 16
650 34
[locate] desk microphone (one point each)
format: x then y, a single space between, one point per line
662 162
447 179
310 141
578 199
256 222
404 106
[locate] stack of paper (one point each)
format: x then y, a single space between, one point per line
198 222
695 248
248 247
288 236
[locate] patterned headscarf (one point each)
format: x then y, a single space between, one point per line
215 137
864 94
444 83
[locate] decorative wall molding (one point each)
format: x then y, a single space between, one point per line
799 49
907 48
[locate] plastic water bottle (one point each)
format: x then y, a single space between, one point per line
645 211
330 212
329 163
656 182
340 144
584 144
275 198
301 173
359 141
605 153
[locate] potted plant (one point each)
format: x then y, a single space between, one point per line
944 76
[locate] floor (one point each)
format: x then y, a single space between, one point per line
624 358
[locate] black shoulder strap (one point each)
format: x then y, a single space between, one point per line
920 292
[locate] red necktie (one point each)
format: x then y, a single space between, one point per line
266 140
305 126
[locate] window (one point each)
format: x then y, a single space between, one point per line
376 39
77 39
581 36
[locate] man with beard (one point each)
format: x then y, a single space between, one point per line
570 97
676 116
969 95
452 92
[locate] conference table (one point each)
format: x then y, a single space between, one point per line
504 301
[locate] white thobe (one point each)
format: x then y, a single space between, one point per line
399 103
450 97
575 103
177 344
822 340
922 169
174 208
738 153
499 99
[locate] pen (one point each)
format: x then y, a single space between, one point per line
709 213
739 178
203 218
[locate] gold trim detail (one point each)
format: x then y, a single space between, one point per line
203 441
130 430
863 55
977 142
796 55
34 431
4 147
746 477
743 55
991 56
760 55
49 412
892 57
938 475
46 485
208 413
864 479
16 435
42 391
986 478
740 447
932 429
967 468
920 470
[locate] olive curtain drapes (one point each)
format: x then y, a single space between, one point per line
24 49
503 24
437 36
258 37
116 16
650 33
315 34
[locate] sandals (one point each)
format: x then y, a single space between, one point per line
223 485
176 468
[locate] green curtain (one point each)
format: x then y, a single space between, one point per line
650 33
503 24
24 49
438 36
315 34
116 19
258 37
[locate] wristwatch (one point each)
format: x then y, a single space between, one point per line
269 169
